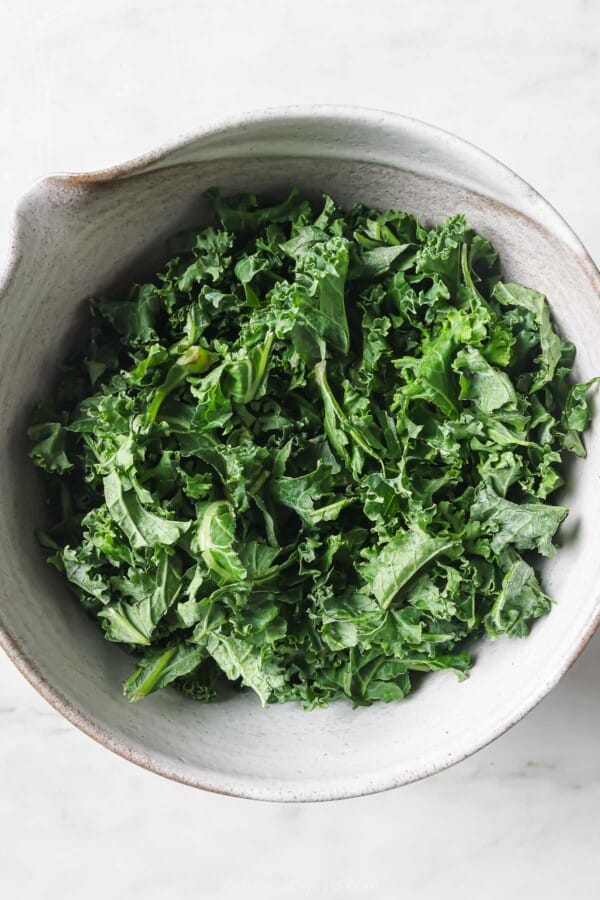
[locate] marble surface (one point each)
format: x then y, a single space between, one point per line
82 88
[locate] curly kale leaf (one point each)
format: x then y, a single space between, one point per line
313 457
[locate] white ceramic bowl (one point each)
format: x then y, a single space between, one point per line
73 236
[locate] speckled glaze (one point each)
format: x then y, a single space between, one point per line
76 235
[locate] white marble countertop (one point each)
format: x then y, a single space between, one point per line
81 88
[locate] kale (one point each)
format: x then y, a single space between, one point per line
309 456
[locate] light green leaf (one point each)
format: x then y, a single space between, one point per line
215 540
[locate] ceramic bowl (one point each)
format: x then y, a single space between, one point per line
77 235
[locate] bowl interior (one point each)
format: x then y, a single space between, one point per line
75 238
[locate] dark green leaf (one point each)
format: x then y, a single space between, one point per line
307 457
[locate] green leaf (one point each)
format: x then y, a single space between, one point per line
142 527
302 492
127 623
520 600
239 659
400 560
378 260
134 621
134 320
245 215
85 572
440 254
210 259
49 447
433 377
338 429
526 526
244 377
159 668
481 383
215 540
536 304
320 281
576 416
307 455
194 361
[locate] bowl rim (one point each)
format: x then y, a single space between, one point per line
353 786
